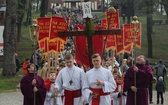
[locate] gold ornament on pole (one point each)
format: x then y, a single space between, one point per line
34 28
134 25
112 10
134 30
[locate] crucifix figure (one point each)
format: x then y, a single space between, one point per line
89 37
70 82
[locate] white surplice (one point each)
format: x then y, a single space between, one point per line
64 77
109 84
50 100
116 99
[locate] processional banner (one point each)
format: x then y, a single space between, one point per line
114 22
128 41
129 37
119 43
44 28
58 24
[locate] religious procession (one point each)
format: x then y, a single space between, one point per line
81 59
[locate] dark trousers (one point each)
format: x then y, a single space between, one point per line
150 92
160 94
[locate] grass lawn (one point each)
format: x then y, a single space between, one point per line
160 43
8 84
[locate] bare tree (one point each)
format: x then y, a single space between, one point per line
165 3
29 11
21 8
149 18
43 8
9 67
37 9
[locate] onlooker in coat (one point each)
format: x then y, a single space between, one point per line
160 88
160 69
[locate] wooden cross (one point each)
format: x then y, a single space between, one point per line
89 38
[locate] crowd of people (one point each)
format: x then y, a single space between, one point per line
111 83
107 84
75 15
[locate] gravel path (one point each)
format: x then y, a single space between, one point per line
12 98
16 98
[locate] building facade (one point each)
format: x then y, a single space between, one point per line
96 4
2 20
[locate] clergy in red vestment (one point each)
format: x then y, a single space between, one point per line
143 77
29 85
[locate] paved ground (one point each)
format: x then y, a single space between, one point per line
13 98
16 98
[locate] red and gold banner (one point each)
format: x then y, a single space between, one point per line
52 46
44 28
119 43
55 46
128 49
129 37
58 24
111 43
59 44
113 23
46 46
104 23
115 20
42 45
128 42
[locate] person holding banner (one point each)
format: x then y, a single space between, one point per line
100 83
143 78
30 84
70 79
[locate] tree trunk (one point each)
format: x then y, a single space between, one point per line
166 7
149 27
20 14
19 25
37 9
161 7
46 10
43 8
29 14
130 10
9 67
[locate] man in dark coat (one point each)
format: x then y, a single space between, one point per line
31 85
160 69
143 77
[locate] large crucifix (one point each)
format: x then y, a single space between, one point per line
89 37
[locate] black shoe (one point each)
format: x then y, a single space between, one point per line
151 102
